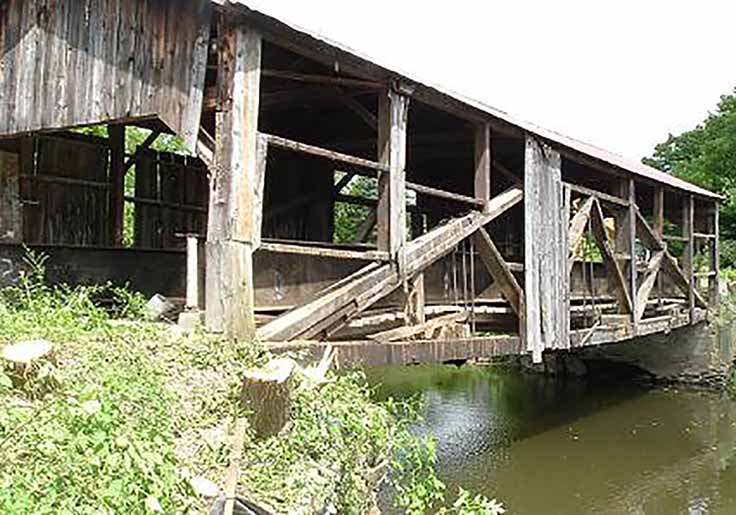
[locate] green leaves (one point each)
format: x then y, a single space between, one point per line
706 155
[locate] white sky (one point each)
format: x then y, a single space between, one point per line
619 74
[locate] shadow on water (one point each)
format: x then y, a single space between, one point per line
545 445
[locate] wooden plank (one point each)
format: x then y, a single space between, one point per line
304 148
283 248
659 211
615 274
447 195
192 272
373 282
647 284
499 270
117 182
483 159
631 245
546 252
322 79
232 232
577 229
404 333
366 227
604 197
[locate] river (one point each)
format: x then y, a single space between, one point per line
551 446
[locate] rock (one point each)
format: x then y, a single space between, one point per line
204 487
158 307
27 352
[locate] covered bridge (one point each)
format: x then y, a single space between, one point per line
326 197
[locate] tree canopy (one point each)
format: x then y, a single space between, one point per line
706 155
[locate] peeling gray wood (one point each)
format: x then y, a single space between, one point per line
232 229
545 251
68 63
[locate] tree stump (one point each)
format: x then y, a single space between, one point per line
266 393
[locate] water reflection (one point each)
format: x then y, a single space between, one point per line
569 447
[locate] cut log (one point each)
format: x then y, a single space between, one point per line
266 394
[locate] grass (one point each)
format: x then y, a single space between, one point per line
125 414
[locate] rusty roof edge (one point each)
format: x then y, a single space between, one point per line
612 159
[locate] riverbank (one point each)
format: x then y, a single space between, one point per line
124 416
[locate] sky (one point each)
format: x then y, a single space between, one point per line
619 74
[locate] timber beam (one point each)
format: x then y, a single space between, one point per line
337 305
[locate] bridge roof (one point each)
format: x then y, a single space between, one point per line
262 13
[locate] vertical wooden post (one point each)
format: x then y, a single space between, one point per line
233 231
392 124
483 159
659 227
393 111
633 287
626 241
715 282
688 229
11 209
116 135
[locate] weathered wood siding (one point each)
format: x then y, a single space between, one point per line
65 187
545 254
65 63
177 192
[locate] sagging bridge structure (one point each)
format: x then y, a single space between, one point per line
327 198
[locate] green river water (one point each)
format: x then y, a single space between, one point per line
551 446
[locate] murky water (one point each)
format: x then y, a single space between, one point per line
567 447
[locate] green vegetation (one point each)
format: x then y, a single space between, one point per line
129 417
706 156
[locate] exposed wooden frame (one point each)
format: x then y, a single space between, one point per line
483 160
447 195
233 225
338 304
322 79
393 110
577 230
603 197
304 148
647 284
615 274
285 248
499 270
714 282
669 263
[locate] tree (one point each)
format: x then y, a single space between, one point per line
706 156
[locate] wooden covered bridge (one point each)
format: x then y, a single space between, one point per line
326 197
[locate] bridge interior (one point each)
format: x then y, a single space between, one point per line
330 199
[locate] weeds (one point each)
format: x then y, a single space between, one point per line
129 413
